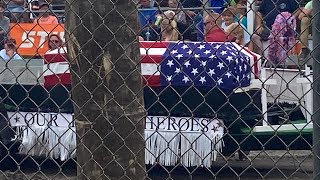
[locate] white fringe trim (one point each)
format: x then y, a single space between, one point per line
167 148
187 148
54 142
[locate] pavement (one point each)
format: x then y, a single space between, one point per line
273 165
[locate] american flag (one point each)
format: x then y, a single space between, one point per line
225 65
56 68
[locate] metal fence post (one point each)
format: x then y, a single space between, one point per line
316 89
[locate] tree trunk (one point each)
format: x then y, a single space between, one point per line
106 88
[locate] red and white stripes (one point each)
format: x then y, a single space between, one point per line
57 71
56 68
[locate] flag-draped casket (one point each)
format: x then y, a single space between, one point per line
187 78
224 65
189 95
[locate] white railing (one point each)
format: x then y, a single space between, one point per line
305 79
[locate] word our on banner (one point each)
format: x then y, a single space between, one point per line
40 119
32 38
192 141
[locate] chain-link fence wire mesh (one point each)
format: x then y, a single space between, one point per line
157 89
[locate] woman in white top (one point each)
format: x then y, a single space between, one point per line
10 50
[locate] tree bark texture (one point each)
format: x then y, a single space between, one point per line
107 92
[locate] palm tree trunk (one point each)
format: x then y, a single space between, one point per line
106 88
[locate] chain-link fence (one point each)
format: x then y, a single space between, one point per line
151 89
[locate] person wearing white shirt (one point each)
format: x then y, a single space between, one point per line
10 51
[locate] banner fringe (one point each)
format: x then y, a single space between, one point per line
167 148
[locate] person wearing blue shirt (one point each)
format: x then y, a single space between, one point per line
147 12
218 5
147 17
10 51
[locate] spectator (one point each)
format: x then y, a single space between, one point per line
282 39
305 17
169 31
4 25
15 8
241 12
219 5
194 19
44 16
147 13
192 4
180 15
57 6
267 12
54 42
236 29
213 32
147 16
10 51
55 59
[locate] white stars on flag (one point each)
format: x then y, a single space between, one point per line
203 63
223 53
194 71
207 52
170 63
211 72
212 56
220 65
229 58
185 46
202 46
187 64
174 51
228 74
178 70
217 46
179 56
202 79
185 79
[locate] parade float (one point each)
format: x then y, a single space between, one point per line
202 99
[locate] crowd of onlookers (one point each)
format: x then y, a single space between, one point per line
226 20
22 11
189 20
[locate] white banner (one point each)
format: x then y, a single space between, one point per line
41 119
192 141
